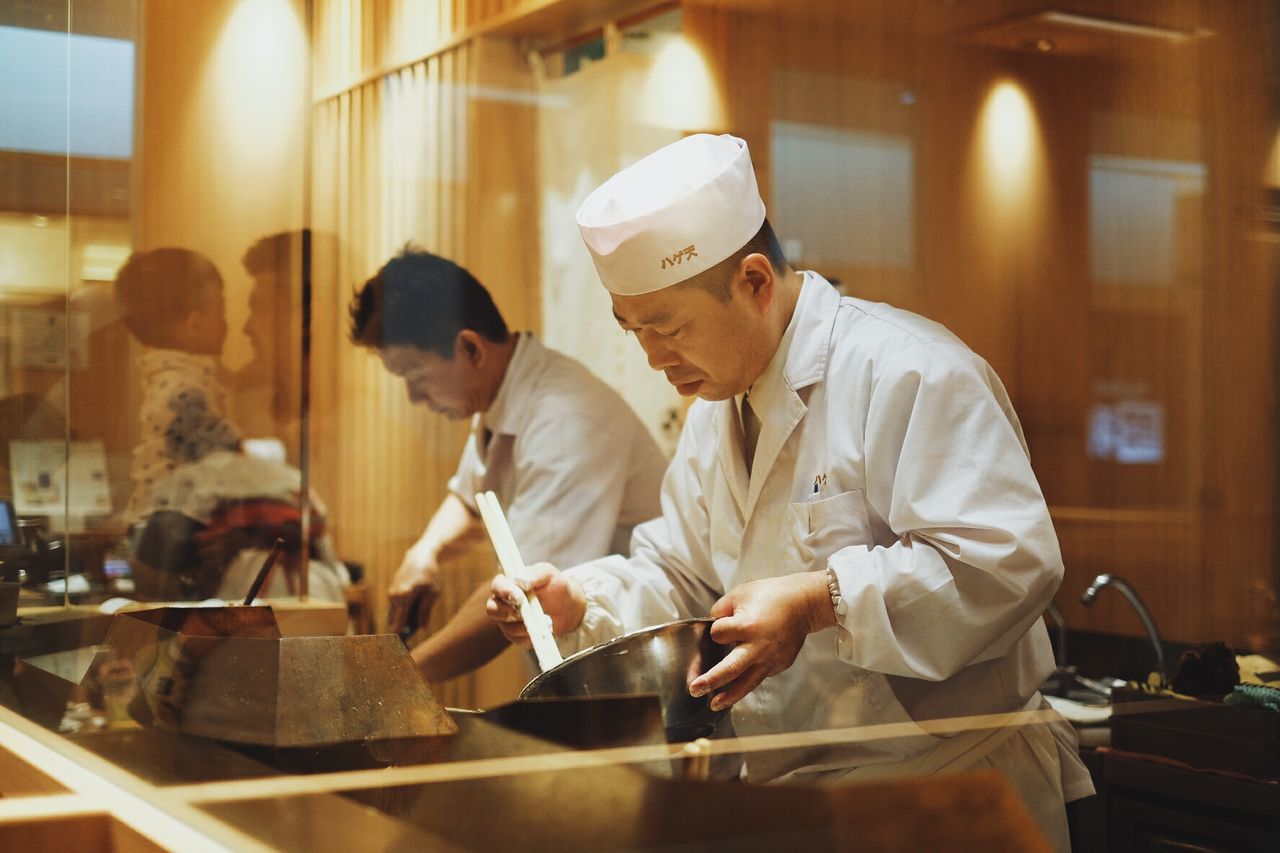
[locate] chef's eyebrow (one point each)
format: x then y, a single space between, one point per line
656 320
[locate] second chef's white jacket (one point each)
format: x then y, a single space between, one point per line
571 463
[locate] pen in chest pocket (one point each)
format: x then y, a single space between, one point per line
818 483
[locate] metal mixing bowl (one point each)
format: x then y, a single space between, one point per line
661 660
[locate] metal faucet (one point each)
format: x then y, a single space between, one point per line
1119 583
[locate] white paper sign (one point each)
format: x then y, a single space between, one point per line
38 470
39 339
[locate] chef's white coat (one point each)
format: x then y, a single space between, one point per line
890 452
571 463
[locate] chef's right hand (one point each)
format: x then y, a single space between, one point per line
561 597
415 587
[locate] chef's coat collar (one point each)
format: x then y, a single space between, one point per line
801 357
509 407
814 321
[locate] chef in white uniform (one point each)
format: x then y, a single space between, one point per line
851 497
569 460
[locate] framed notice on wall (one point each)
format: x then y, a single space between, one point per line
43 484
38 338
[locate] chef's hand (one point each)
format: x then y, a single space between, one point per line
414 587
561 598
766 622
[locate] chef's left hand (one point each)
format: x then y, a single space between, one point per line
766 621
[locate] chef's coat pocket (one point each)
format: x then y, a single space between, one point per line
837 522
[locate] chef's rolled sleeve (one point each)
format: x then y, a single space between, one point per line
976 560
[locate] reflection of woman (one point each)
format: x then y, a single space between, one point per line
268 387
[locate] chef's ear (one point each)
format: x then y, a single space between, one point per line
757 277
468 345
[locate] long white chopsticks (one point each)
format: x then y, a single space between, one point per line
535 620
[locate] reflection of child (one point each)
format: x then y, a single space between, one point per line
172 301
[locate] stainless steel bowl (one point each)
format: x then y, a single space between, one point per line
661 660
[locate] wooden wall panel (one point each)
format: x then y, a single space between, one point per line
1240 308
436 155
221 135
355 39
1195 533
358 41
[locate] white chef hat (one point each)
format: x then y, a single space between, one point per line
676 213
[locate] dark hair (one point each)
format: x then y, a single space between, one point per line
422 300
718 279
157 288
281 266
273 253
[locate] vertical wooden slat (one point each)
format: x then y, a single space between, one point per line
355 38
431 155
393 156
1036 314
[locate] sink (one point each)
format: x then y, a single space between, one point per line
1066 683
1101 655
1078 713
1083 703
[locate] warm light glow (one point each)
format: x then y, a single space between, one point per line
33 254
101 262
1009 126
1010 146
680 92
1272 175
245 132
256 79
